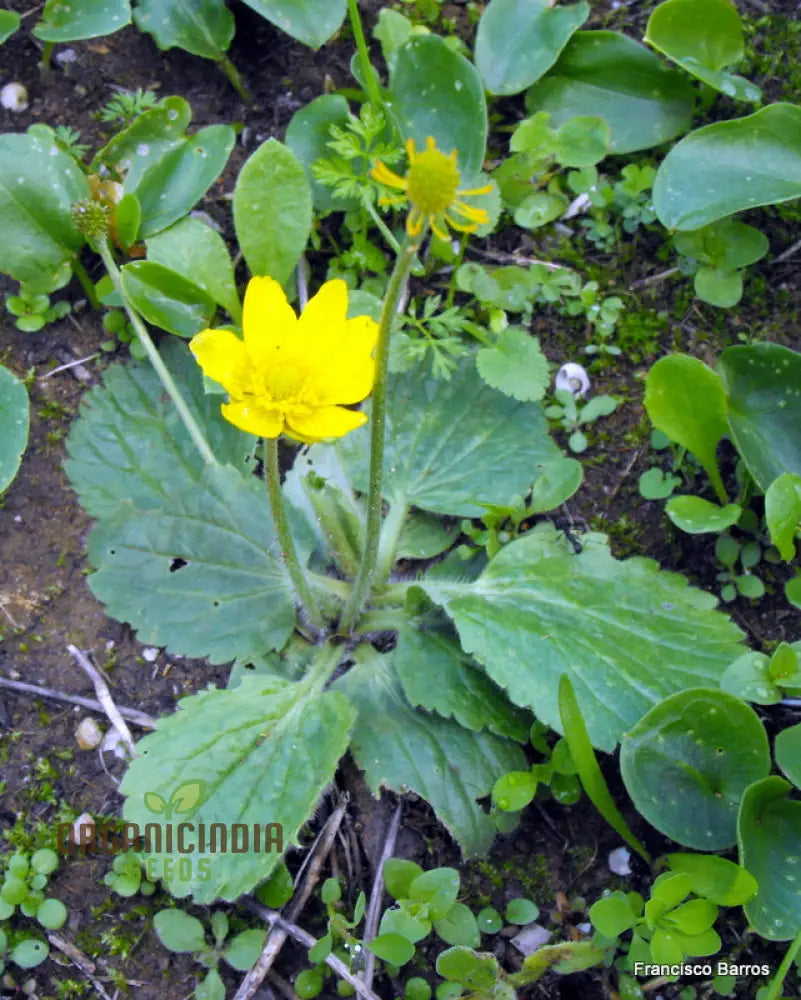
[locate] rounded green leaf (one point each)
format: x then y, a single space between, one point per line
731 166
606 73
44 861
748 678
14 423
514 791
272 210
52 914
166 299
582 141
79 19
489 920
416 988
521 911
458 926
244 949
764 408
788 753
212 987
399 875
684 399
435 91
726 244
203 27
716 879
14 890
278 889
312 22
687 762
308 135
28 954
9 23
38 185
179 931
309 983
557 481
768 837
697 516
399 920
519 40
612 915
783 512
438 887
392 948
539 208
720 288
792 591
18 865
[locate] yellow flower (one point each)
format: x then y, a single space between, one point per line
290 375
431 185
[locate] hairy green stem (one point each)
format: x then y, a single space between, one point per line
235 79
192 426
322 668
369 74
86 283
388 540
775 986
378 413
289 555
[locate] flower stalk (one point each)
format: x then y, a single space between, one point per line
370 79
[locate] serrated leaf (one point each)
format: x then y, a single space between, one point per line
626 634
79 19
201 576
312 22
14 422
402 749
106 463
448 444
436 675
265 751
203 27
515 365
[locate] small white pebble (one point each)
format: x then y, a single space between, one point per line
14 97
619 861
83 822
586 929
66 56
88 735
574 378
18 519
149 654
14 674
530 939
110 645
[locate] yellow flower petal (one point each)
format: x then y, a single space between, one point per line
326 422
347 372
254 417
384 175
221 355
268 320
322 321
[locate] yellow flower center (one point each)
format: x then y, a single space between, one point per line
432 182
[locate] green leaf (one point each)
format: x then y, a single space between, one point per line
697 516
104 462
399 873
211 988
514 790
14 423
438 887
539 611
703 38
39 237
764 408
392 948
792 591
540 208
519 40
266 750
521 911
515 365
166 299
312 22
198 253
748 678
612 915
179 932
402 749
768 834
435 91
730 166
788 753
272 210
685 400
783 512
414 926
582 141
489 920
448 444
391 31
203 27
243 951
437 676
141 145
644 103
78 19
720 288
688 761
557 482
44 861
308 135
716 879
29 953
320 951
9 23
127 219
201 575
52 914
175 182
424 536
278 889
458 927
727 244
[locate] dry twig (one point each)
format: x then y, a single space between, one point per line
377 892
141 719
103 696
79 960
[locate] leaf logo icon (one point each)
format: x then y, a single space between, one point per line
184 799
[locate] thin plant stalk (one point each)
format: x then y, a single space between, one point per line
235 79
774 989
370 78
86 284
272 478
364 578
189 422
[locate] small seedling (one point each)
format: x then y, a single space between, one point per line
33 310
573 415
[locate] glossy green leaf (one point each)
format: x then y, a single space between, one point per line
731 166
612 915
392 948
608 74
399 873
685 400
763 390
783 512
687 762
514 790
539 611
748 678
448 444
308 135
272 210
582 141
9 23
458 927
697 516
170 188
105 464
312 22
703 36
203 27
788 753
540 208
29 953
438 888
768 835
515 365
179 931
436 675
265 750
14 422
38 184
166 299
127 220
73 20
519 40
435 91
792 591
720 288
197 252
450 767
716 879
141 145
727 244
